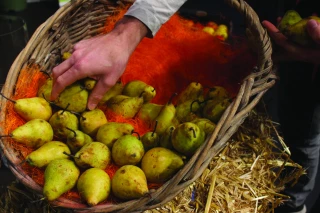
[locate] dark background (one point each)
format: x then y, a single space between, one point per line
38 12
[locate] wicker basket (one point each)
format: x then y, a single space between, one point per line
82 19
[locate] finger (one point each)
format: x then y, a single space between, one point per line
274 32
313 28
61 68
97 93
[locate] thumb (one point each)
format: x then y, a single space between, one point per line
313 28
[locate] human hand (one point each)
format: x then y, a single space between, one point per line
291 51
103 58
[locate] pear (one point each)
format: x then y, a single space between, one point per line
73 97
129 182
150 139
184 109
45 90
160 164
214 109
148 112
217 92
205 124
77 139
166 116
48 152
111 131
290 17
94 186
127 150
166 138
113 91
187 138
136 88
90 121
61 121
94 154
31 108
192 92
124 105
33 134
298 32
89 83
60 176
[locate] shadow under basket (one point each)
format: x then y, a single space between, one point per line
81 19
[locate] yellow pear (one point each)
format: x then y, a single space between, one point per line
45 90
192 92
125 106
113 91
62 121
290 17
90 121
137 88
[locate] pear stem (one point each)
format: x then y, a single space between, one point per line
195 101
35 201
154 89
194 132
7 136
13 101
133 132
155 127
63 110
70 155
141 93
171 98
74 132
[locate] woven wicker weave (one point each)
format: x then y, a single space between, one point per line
82 19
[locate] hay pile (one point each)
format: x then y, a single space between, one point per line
247 176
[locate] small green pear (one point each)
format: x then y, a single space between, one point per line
89 83
73 97
48 152
94 154
45 90
113 91
214 109
61 121
33 134
184 109
129 182
125 106
94 186
187 138
148 112
166 138
160 164
205 124
127 150
150 139
60 176
90 121
136 88
77 139
290 17
192 92
110 132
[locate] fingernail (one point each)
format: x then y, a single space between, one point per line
91 106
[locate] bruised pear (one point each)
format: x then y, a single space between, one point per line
125 106
160 164
136 88
113 91
110 132
94 186
47 152
187 138
62 121
205 124
129 182
60 176
90 121
127 150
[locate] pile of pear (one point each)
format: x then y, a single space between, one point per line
293 26
74 146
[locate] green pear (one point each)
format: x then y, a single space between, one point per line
113 91
150 139
217 92
61 121
184 109
192 92
160 164
45 90
33 108
94 154
89 83
148 112
90 121
166 116
124 105
129 182
127 150
111 131
73 97
187 138
290 17
136 88
214 109
48 152
77 139
166 138
60 176
205 124
33 134
94 186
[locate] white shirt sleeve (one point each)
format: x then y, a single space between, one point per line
154 13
